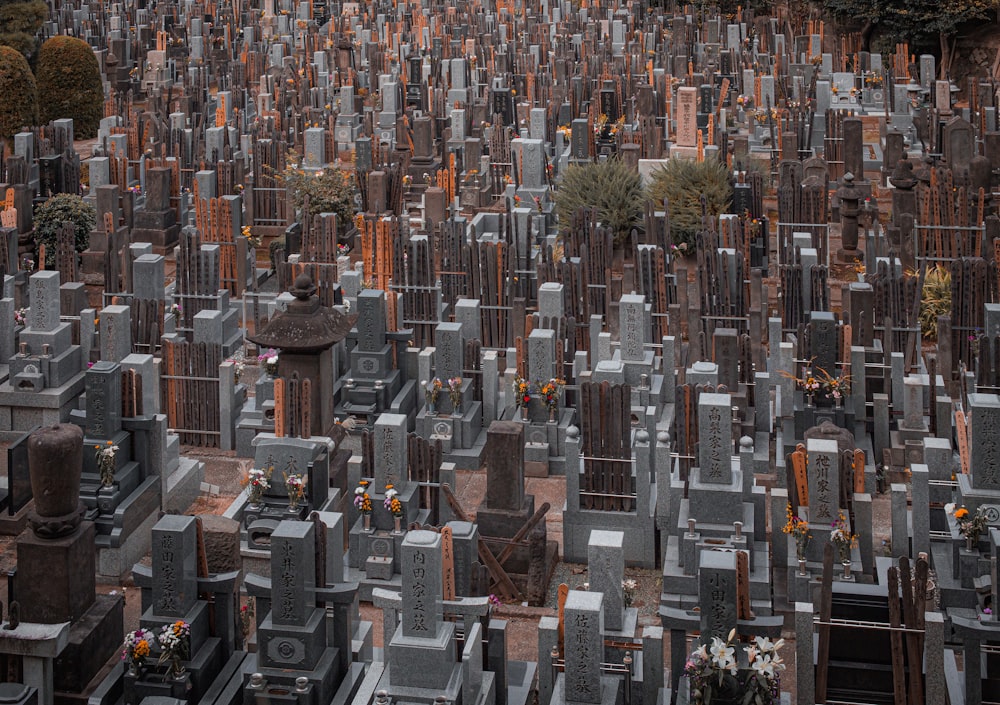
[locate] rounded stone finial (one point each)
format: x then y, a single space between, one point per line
848 178
302 288
663 437
746 442
572 432
642 436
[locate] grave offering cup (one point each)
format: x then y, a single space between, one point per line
55 456
802 566
847 570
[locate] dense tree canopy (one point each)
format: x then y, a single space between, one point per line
20 22
922 23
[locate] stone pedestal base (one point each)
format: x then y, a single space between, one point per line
92 641
65 566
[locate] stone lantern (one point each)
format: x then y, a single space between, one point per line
304 335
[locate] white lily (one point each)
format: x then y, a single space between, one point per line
763 667
722 654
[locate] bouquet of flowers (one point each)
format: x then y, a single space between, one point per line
629 587
842 538
175 640
765 666
550 393
522 392
175 309
835 387
362 501
432 389
269 361
253 240
455 391
257 482
295 486
238 368
105 456
712 671
744 101
392 503
21 317
246 615
715 675
136 648
799 530
969 525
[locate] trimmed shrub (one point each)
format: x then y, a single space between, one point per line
682 183
329 190
49 219
17 88
69 85
610 187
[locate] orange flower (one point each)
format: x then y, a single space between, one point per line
961 513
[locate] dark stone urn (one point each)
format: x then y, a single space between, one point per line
55 456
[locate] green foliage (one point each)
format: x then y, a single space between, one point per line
20 22
935 300
329 190
17 93
49 219
610 187
919 22
682 183
69 85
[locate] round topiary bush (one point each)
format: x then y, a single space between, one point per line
49 219
610 187
17 93
682 183
69 85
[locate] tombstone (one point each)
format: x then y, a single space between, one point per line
583 617
606 570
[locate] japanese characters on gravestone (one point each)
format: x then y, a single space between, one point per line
717 594
583 618
716 439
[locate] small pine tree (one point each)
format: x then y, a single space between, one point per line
49 219
69 85
682 183
17 93
610 187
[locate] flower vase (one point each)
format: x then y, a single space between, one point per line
552 414
431 410
396 525
456 409
810 399
368 521
838 403
970 543
524 413
802 566
847 569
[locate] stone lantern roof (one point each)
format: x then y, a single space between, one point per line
305 326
